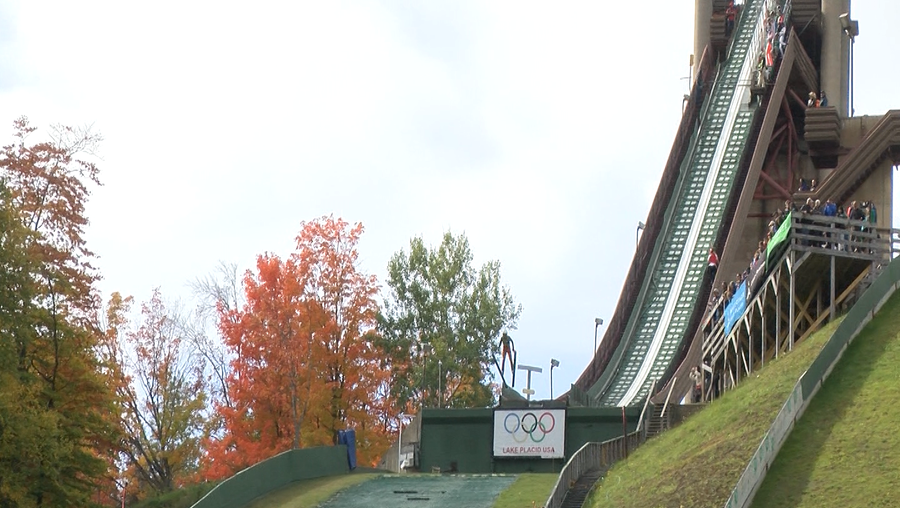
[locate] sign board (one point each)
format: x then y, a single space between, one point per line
735 308
529 433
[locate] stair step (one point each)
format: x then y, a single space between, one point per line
576 496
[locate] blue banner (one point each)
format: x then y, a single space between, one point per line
736 307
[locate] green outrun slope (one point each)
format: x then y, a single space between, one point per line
845 450
698 463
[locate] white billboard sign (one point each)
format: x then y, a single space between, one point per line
530 433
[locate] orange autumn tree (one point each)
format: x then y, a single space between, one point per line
351 364
304 362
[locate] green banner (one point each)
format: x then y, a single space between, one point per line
778 238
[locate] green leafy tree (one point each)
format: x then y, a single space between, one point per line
25 424
55 342
441 322
163 398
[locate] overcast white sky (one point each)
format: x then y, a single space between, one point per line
539 129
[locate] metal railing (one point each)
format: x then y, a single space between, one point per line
668 396
808 234
588 457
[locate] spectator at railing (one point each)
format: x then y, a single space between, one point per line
697 382
813 101
720 298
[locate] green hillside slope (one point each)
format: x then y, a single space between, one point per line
845 450
698 463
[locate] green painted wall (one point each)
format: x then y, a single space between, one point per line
465 437
274 473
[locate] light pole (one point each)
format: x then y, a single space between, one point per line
553 363
851 28
426 350
597 323
640 226
440 384
400 443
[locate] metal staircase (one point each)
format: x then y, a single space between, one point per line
673 282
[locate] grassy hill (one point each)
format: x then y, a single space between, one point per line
845 451
698 463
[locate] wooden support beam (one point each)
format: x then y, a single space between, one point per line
792 275
831 306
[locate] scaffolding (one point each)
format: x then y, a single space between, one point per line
821 269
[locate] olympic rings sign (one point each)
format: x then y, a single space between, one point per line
529 433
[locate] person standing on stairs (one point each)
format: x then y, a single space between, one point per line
713 264
730 14
697 379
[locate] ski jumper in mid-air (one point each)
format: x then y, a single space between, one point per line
507 348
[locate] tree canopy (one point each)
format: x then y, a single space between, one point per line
100 405
440 324
62 419
304 362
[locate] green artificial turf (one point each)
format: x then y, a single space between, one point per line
845 450
698 463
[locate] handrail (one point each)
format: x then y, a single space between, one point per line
839 184
666 404
591 455
644 410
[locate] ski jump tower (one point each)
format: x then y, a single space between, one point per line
746 140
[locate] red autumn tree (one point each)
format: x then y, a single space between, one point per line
271 384
304 362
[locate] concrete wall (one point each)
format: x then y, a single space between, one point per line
835 71
703 10
878 187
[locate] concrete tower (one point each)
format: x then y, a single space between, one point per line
834 76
